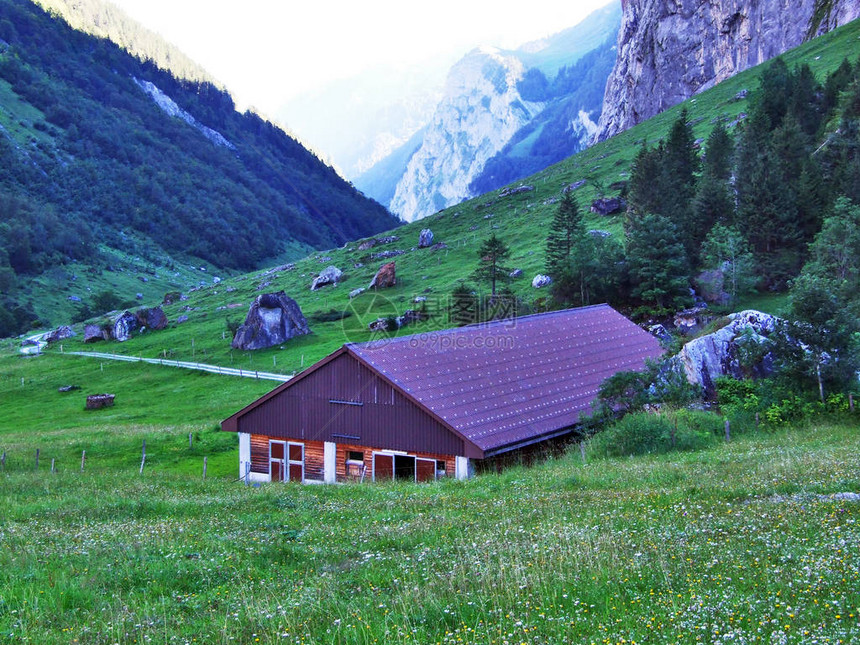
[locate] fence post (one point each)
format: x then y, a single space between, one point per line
851 402
582 450
190 441
83 459
53 470
37 459
3 460
204 466
757 419
728 431
143 457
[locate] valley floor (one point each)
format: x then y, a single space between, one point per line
746 542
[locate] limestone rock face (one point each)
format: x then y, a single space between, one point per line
272 319
386 277
329 275
479 113
719 354
668 51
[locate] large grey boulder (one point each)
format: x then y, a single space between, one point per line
94 333
64 331
329 275
725 351
153 318
425 238
272 319
541 280
124 325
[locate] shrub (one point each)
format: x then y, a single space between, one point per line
644 433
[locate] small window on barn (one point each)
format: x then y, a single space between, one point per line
355 455
440 467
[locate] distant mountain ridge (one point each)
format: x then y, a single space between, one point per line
668 52
101 153
484 130
104 19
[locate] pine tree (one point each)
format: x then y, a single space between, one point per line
491 269
645 181
719 150
678 184
565 232
659 272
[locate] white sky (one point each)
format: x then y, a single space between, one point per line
268 51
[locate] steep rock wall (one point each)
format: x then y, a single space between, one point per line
479 113
670 49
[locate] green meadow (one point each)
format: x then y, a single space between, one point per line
744 542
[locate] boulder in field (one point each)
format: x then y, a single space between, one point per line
425 238
124 325
541 280
608 205
725 352
329 275
64 331
272 319
385 278
94 333
152 318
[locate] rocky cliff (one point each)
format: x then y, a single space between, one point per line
670 49
480 111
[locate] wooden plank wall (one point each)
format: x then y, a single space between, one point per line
314 458
259 453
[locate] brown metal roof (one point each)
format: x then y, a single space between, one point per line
504 383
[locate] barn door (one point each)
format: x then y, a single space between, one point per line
383 467
425 470
296 462
277 460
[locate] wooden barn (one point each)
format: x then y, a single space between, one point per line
421 407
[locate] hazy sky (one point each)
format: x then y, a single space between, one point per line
268 51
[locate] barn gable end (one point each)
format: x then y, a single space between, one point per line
341 400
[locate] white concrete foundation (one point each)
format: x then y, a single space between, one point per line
461 468
329 462
244 453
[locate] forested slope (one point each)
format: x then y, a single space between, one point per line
89 161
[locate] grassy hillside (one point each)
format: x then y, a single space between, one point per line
520 220
88 160
745 542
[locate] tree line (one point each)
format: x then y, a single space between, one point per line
773 205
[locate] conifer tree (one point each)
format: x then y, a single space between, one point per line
565 232
645 191
492 255
659 272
